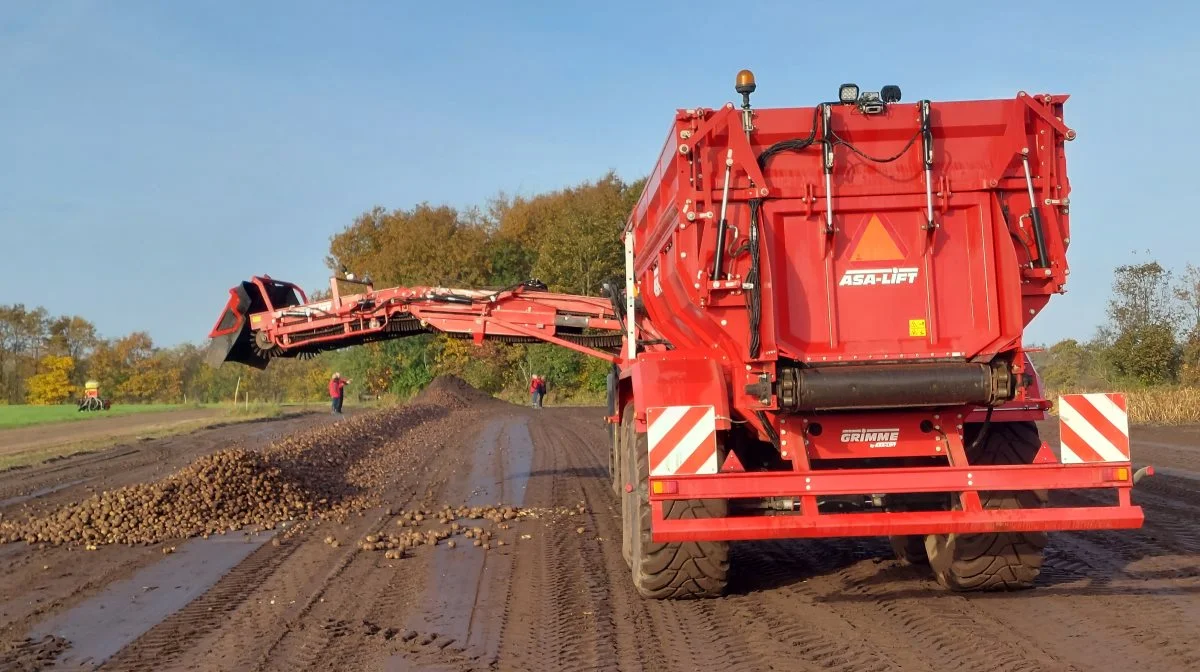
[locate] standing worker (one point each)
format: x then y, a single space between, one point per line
337 392
535 391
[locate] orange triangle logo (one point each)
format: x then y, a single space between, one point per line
876 244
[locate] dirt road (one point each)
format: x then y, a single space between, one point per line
118 426
556 594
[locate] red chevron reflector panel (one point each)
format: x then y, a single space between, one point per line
682 440
1093 428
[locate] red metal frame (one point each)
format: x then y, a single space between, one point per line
261 283
895 481
515 312
898 523
809 486
231 306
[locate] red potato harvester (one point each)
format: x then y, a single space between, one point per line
819 335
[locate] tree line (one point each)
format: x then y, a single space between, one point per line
568 239
47 360
1151 337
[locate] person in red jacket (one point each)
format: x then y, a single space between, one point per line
337 392
536 388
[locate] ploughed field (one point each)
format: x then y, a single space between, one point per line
463 533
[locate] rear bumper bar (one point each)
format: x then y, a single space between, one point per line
809 486
885 524
895 481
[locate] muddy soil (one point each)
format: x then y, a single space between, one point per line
556 593
22 439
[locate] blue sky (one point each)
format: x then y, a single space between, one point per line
152 154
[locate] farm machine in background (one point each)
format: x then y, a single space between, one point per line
819 335
92 401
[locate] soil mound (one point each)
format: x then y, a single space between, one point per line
451 392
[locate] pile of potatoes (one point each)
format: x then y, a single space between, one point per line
330 471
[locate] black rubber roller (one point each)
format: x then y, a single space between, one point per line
893 386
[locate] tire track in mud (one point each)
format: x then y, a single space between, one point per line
1169 530
1121 617
293 651
171 638
740 631
689 636
333 623
950 632
44 473
571 571
696 635
585 575
231 602
637 632
463 614
1161 620
556 609
565 600
810 631
326 623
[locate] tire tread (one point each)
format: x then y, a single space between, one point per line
1000 560
676 570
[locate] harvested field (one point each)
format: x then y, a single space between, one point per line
463 533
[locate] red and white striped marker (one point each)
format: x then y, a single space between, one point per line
682 440
1093 428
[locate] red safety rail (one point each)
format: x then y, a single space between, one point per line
1094 454
867 482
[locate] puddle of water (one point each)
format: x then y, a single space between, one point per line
518 462
105 623
38 493
459 584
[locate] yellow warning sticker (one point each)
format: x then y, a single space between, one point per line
255 319
916 327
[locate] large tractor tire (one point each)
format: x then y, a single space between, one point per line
1001 560
910 549
680 570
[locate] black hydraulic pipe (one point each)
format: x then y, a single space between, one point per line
452 298
1035 218
719 261
723 224
1039 238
